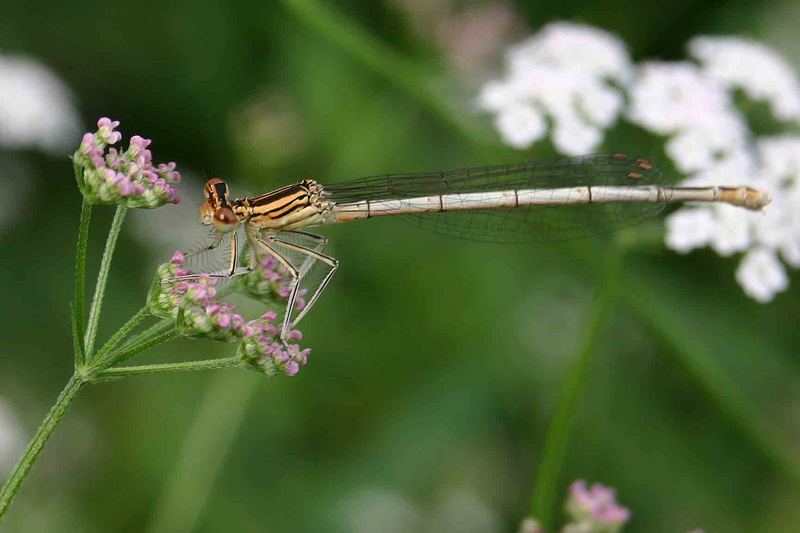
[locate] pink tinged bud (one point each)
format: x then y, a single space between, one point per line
124 185
292 368
248 329
598 502
270 316
213 309
294 335
181 272
224 320
97 158
237 320
105 122
87 143
140 142
138 189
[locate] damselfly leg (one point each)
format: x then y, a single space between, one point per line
299 258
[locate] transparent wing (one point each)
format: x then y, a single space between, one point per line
305 252
536 223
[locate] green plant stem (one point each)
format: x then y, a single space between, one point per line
205 447
721 389
121 333
78 300
38 441
188 366
102 279
129 350
393 66
557 437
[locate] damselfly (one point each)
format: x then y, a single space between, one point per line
525 202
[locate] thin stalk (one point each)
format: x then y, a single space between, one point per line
153 331
38 441
205 447
102 280
78 300
121 333
129 350
188 366
557 436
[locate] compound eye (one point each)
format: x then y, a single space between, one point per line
225 220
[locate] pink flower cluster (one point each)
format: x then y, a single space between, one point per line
269 279
262 349
198 312
123 177
596 506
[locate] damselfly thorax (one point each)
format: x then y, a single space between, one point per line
524 202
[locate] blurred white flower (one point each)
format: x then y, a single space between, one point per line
12 438
760 72
574 76
762 275
679 100
566 74
36 107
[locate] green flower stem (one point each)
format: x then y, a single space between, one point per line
102 279
721 389
188 366
388 63
120 335
205 447
78 301
129 350
557 436
38 441
153 331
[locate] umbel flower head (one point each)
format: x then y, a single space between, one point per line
262 350
200 313
269 281
128 177
594 509
576 81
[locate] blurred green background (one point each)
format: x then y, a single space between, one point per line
436 363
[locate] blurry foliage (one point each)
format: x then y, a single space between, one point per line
426 375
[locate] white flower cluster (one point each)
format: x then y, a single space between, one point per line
568 75
36 107
691 104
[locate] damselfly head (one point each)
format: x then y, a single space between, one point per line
216 210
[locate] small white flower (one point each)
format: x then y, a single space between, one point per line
520 125
566 73
678 99
688 229
36 107
761 73
571 77
762 275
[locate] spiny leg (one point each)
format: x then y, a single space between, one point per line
293 272
319 244
232 270
311 255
